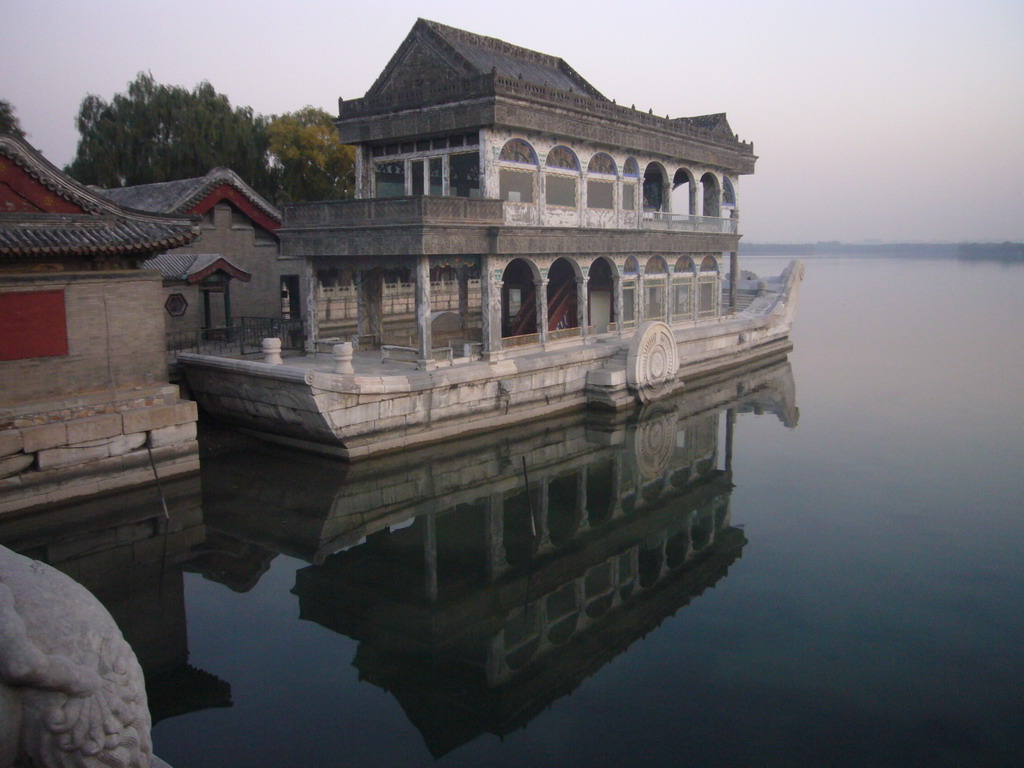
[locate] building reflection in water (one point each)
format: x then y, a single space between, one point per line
476 600
125 550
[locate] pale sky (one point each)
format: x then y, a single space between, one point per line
895 121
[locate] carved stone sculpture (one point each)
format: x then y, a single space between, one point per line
652 363
71 690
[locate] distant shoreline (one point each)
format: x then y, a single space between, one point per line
1009 252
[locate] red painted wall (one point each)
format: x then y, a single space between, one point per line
32 324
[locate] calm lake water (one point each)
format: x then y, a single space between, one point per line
816 564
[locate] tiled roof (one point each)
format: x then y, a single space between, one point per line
186 266
179 196
105 229
471 55
486 54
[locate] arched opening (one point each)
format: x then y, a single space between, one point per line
651 560
712 195
655 278
630 174
600 295
728 193
518 528
683 186
601 172
654 188
560 188
682 289
563 517
708 291
630 270
562 300
517 173
518 299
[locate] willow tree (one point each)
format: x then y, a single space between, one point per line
311 161
156 132
9 122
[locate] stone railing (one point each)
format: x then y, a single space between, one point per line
682 222
393 210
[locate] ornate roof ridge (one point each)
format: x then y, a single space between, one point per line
32 162
194 190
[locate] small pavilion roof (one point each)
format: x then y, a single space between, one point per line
194 267
188 195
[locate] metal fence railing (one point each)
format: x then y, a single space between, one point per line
244 336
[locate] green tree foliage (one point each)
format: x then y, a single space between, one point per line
9 122
158 133
311 161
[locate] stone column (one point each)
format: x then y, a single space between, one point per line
423 313
312 316
730 423
541 288
430 557
734 276
490 308
581 306
618 303
581 500
494 526
541 516
463 276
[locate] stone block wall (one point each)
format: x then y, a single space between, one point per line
94 443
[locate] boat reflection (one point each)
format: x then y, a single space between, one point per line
485 580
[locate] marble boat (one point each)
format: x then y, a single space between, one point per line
519 245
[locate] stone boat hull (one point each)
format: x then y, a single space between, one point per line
366 413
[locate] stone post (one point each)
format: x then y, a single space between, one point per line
490 308
312 315
581 306
343 358
272 351
734 276
423 313
541 288
618 302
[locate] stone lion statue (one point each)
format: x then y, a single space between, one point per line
72 693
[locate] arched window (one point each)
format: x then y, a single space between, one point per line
682 289
685 264
601 163
630 271
516 184
560 189
655 272
631 267
630 173
562 157
601 191
518 151
656 266
708 290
